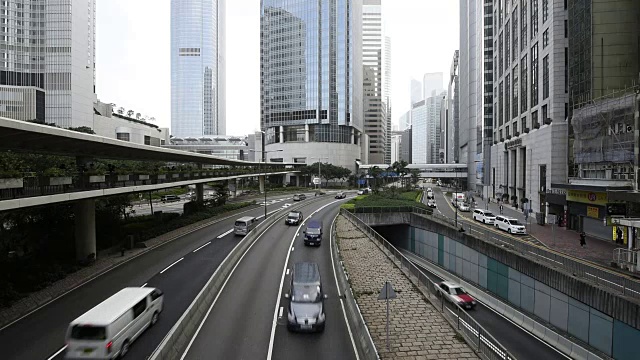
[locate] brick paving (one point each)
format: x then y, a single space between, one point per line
417 329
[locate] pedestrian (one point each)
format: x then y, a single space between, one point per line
501 208
583 239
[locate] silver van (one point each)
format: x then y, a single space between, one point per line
306 299
107 330
244 225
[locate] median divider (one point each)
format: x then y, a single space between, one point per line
364 343
176 341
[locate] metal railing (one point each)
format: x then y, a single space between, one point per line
619 283
475 335
626 259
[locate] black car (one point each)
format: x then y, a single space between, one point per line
313 233
306 299
294 218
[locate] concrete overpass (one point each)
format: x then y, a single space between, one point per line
451 171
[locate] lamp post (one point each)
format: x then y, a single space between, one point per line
264 160
319 174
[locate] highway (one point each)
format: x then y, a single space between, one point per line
180 268
248 319
521 343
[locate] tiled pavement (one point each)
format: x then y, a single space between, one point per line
417 329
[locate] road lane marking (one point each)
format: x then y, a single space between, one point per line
292 249
280 312
143 285
168 267
287 271
57 353
225 234
203 246
335 276
284 269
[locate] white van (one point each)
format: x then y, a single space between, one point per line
244 225
484 216
457 197
107 330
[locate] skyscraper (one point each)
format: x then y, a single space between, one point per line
432 83
48 66
198 68
376 71
311 80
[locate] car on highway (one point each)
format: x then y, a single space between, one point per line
294 218
107 330
169 198
484 216
306 299
463 206
313 233
431 203
341 195
509 224
457 295
364 191
299 197
430 194
244 225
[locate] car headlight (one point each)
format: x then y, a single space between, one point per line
320 317
473 302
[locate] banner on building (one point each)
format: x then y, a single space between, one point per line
587 197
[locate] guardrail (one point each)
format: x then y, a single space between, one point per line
364 343
616 282
474 334
175 342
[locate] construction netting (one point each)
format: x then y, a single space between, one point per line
604 130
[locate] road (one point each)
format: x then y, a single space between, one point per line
195 257
248 320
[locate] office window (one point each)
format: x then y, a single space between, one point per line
514 34
515 128
523 124
566 70
566 29
147 140
545 77
545 11
514 91
500 55
534 19
507 44
523 26
534 75
545 38
122 136
507 98
524 73
500 104
545 114
534 120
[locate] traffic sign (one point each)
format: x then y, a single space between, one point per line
316 181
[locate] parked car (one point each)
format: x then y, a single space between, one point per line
457 295
431 203
299 197
510 225
341 195
463 206
484 216
294 218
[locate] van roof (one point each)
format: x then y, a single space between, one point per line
314 224
109 310
306 273
246 218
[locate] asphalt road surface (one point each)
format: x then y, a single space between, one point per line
248 320
195 256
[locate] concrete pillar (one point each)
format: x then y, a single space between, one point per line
306 132
85 228
281 130
261 181
236 183
200 192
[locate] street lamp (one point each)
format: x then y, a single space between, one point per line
264 160
319 161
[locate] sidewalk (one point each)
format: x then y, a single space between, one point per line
417 330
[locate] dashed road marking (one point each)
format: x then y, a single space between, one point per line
168 267
202 246
225 234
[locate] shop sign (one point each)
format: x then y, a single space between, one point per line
554 191
593 212
513 144
587 197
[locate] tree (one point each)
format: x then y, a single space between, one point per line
121 110
375 173
130 113
138 116
415 176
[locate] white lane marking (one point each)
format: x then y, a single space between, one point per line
202 246
168 267
222 288
287 271
143 285
225 234
280 312
284 269
335 276
292 249
57 353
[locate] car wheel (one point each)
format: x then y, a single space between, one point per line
509 231
124 349
154 318
483 221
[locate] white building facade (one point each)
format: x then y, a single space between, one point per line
530 138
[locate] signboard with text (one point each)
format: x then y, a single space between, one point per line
587 197
593 212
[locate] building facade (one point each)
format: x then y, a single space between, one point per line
415 91
406 146
376 74
405 121
112 125
425 133
228 147
198 68
311 80
48 61
451 129
529 149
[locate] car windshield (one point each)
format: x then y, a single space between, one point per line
458 291
86 332
513 222
306 293
293 215
313 231
489 214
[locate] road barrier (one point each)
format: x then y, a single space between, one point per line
176 341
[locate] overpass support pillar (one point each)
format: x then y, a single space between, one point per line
236 183
200 193
85 229
261 181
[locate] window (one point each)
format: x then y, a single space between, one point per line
514 91
506 131
147 140
500 104
523 124
88 332
566 29
507 42
500 55
566 70
534 19
545 115
534 75
545 11
139 308
523 84
122 136
523 26
534 120
515 128
507 98
514 27
545 38
545 77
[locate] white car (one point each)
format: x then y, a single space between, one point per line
457 295
510 225
431 203
463 207
484 216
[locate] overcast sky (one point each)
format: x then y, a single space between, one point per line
133 63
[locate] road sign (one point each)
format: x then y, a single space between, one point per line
387 293
316 181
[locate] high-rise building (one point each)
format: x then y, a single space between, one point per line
48 66
198 68
415 91
406 147
432 83
425 132
451 128
376 73
311 80
405 121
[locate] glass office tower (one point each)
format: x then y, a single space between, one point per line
197 68
311 79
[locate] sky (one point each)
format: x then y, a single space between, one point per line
133 63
